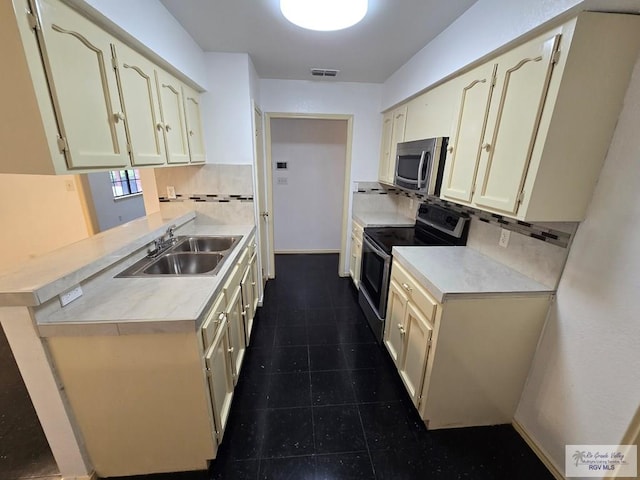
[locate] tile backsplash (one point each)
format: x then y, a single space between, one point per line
536 250
221 194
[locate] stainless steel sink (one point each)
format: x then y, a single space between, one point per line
204 244
184 264
190 255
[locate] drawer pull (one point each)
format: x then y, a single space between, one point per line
407 287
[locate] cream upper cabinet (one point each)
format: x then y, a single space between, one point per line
393 124
195 135
173 118
429 115
385 147
522 81
84 89
141 106
463 152
83 101
535 152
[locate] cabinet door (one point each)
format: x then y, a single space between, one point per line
236 331
172 110
516 107
77 55
247 303
255 279
399 122
394 324
385 147
195 135
470 119
416 345
220 378
141 107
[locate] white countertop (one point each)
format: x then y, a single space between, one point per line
457 271
120 306
42 278
383 219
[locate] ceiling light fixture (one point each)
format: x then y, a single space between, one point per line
324 15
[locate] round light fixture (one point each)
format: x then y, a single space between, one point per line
324 15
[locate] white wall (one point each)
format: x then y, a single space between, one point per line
107 211
152 24
227 112
585 382
486 26
362 100
307 211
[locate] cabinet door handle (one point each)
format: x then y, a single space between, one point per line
167 127
159 126
221 317
191 133
450 149
407 287
118 116
401 328
230 350
486 147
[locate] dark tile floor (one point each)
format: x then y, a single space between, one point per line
317 399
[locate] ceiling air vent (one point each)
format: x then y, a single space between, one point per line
324 72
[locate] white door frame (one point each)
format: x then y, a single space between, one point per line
342 271
259 186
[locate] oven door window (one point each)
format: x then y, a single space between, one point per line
407 168
372 275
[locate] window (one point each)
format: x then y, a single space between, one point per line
125 182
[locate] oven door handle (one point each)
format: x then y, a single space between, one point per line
375 248
424 154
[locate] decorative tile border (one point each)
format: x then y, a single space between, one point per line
208 197
539 232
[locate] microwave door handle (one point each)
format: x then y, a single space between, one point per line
424 153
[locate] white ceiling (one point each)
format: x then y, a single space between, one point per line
391 33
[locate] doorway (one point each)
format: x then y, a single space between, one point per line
308 169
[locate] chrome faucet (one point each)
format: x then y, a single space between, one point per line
162 243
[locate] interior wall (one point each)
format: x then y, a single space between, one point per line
227 111
307 195
486 26
107 211
152 24
584 385
39 213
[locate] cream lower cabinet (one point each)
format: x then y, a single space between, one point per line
533 126
220 378
355 262
248 285
463 362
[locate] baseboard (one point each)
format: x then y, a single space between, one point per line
91 476
540 453
292 252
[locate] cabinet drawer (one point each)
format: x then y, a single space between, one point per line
415 292
213 320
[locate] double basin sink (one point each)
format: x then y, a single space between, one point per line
188 255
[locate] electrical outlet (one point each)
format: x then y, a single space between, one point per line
70 295
171 192
505 235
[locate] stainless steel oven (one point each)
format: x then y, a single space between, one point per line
435 226
374 278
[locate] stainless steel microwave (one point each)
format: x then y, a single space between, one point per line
420 165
